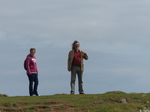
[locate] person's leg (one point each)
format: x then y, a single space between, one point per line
73 79
36 82
80 82
30 77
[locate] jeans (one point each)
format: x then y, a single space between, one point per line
33 78
76 70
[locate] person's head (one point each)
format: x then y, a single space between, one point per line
75 45
32 51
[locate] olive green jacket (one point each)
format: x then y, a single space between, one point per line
71 56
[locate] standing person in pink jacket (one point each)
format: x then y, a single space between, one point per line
32 72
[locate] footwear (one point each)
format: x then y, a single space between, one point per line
82 93
37 95
72 93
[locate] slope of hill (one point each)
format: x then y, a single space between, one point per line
115 101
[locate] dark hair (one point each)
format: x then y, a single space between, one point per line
74 44
32 49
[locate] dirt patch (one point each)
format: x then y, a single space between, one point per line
7 110
54 103
97 103
118 101
64 107
22 103
43 107
51 103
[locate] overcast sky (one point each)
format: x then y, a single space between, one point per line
114 33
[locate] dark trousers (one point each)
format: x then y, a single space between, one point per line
33 78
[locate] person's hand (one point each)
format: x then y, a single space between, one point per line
69 69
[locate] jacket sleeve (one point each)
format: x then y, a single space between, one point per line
28 59
69 60
85 56
36 68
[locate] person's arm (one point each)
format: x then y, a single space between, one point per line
28 65
36 68
85 56
69 60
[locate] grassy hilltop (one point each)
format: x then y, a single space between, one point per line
109 102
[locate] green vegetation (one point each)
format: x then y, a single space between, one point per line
115 101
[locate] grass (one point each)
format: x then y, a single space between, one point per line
107 102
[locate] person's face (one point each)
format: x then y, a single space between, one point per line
33 52
76 46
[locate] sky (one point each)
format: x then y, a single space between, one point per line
114 34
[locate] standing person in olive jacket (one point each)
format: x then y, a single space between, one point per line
32 72
76 66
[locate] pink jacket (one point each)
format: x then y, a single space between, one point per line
31 65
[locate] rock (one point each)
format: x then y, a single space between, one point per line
123 101
144 110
